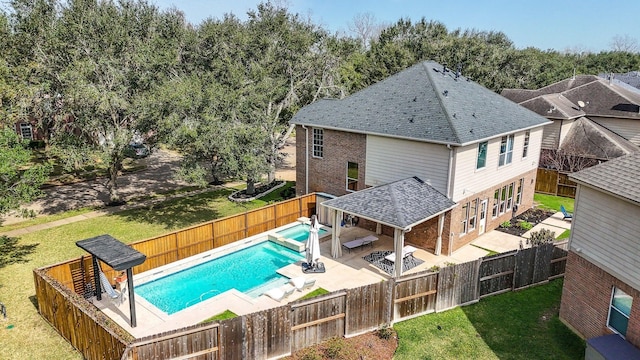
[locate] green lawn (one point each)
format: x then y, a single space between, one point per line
550 202
516 325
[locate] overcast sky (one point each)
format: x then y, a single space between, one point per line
586 25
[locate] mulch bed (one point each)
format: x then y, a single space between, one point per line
533 216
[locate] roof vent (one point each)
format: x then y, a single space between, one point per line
445 93
444 69
458 71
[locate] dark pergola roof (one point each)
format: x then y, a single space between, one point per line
112 252
400 204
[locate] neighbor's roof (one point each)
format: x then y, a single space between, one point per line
422 103
592 140
620 177
400 204
599 97
631 79
112 252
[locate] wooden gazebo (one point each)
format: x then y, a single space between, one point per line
117 255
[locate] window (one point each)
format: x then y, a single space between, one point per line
510 196
482 155
496 201
525 149
465 218
519 192
318 143
473 214
619 311
26 131
506 150
352 176
503 199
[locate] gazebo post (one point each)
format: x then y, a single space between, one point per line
440 228
96 277
398 242
132 300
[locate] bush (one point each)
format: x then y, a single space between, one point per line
506 224
385 333
541 237
335 348
525 225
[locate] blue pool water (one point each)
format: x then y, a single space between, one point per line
299 232
243 270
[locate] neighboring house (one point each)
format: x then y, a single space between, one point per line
631 79
594 120
461 140
601 293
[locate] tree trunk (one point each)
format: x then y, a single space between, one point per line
251 187
112 184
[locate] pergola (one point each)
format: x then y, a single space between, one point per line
401 205
117 255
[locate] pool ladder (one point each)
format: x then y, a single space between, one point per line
200 298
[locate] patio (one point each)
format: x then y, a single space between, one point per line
348 271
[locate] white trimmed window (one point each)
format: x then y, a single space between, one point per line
519 192
465 219
506 150
481 162
619 311
352 176
496 203
26 130
503 199
473 214
318 143
510 196
525 148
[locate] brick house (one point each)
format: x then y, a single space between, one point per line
469 144
601 293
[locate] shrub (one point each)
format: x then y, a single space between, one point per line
541 237
335 348
385 333
525 225
506 224
311 354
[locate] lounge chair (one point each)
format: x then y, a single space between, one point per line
115 295
406 251
301 283
566 215
280 293
353 244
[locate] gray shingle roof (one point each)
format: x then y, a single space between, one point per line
422 103
631 78
619 176
589 139
600 97
400 204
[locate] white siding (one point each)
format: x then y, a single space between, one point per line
566 126
606 231
390 159
627 128
468 180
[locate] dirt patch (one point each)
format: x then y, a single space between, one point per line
524 222
368 346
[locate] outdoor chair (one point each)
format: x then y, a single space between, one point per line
278 294
406 251
301 283
353 244
566 215
116 296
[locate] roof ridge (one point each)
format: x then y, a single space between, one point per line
440 98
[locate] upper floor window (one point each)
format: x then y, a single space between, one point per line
318 143
352 176
482 155
619 311
26 131
506 150
525 149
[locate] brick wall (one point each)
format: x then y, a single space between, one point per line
586 296
329 174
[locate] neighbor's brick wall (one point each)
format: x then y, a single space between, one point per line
586 295
492 223
329 174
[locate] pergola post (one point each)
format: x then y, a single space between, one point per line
132 300
398 244
438 249
96 277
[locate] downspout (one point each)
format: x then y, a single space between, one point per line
306 160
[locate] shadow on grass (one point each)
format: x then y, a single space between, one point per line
34 301
525 324
13 253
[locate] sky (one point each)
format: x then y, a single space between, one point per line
575 25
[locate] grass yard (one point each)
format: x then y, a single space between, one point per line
516 325
551 202
30 337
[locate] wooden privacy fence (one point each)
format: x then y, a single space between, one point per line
280 331
549 181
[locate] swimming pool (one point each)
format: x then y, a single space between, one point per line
299 232
244 270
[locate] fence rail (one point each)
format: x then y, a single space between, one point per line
553 182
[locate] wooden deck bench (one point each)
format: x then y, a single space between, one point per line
353 244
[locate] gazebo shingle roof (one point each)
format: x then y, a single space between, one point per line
401 204
620 177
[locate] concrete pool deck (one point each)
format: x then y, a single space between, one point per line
348 271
